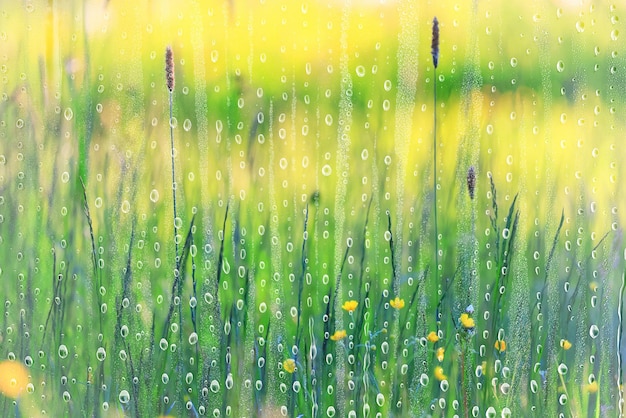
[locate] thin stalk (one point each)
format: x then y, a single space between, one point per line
170 82
434 50
620 329
435 173
173 175
463 387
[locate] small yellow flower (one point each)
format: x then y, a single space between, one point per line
289 365
592 387
338 335
500 345
350 305
397 303
566 344
433 337
439 373
466 321
440 353
13 378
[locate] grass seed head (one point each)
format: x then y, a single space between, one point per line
434 49
471 182
169 68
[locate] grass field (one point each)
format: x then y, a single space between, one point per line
301 227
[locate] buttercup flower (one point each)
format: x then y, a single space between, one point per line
338 335
350 305
397 303
289 365
440 353
566 344
433 337
466 321
500 345
13 378
439 375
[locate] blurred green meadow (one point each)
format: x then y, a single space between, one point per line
295 259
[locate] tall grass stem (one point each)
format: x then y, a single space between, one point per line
435 56
170 82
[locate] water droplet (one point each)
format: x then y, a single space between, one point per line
614 34
560 66
124 397
580 26
534 387
505 388
444 385
63 351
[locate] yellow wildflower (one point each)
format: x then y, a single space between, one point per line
566 344
13 378
440 352
592 387
433 337
466 321
500 345
338 335
397 303
289 365
439 373
350 305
